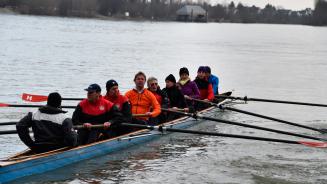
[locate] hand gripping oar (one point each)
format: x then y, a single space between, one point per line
41 98
268 100
197 116
167 129
261 116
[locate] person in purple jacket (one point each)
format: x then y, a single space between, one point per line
189 88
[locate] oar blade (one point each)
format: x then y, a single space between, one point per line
4 105
314 144
34 98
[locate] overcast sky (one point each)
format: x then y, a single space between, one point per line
287 4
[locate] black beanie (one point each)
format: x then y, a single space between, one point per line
171 78
183 71
54 100
110 84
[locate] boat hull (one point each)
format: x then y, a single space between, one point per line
19 166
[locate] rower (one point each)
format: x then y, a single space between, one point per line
51 127
188 88
205 88
206 91
176 98
142 100
95 110
121 102
161 97
213 80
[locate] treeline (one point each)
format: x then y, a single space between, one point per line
156 9
166 10
269 14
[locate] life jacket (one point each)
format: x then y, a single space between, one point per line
118 102
95 113
205 88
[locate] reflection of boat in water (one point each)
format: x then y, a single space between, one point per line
26 164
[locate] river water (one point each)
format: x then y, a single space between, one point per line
39 55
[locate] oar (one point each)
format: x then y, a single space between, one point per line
163 129
14 123
269 100
5 132
41 98
23 105
273 119
261 116
8 123
197 116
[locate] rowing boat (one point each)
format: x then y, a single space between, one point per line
25 164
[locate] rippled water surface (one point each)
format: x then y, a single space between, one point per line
39 55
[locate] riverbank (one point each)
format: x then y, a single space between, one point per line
7 11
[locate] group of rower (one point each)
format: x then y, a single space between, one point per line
53 129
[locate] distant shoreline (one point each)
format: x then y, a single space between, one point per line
7 11
10 11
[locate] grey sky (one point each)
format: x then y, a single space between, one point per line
287 4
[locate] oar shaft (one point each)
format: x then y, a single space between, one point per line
270 118
7 123
73 99
257 127
140 115
14 123
5 132
23 105
232 135
162 129
286 102
259 115
243 125
270 100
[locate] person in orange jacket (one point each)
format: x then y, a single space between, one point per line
142 100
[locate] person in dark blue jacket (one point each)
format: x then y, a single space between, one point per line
214 80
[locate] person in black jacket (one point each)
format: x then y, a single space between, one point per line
51 127
175 96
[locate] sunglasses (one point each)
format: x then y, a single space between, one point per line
153 84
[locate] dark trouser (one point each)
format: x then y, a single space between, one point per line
158 120
173 116
44 147
201 106
86 136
